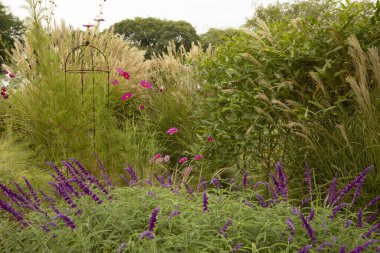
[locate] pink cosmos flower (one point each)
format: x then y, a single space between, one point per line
172 131
88 26
115 82
147 85
11 75
210 139
123 73
158 155
167 158
5 71
182 159
126 96
198 157
141 107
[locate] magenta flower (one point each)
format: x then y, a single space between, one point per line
158 155
172 131
210 139
145 84
182 159
167 158
198 157
126 96
88 26
123 73
11 75
141 107
115 82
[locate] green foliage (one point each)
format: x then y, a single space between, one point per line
11 28
216 37
154 34
280 91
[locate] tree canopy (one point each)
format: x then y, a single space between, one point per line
154 34
216 37
10 28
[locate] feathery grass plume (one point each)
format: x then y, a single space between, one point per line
237 247
308 228
104 175
337 209
153 218
205 201
245 180
371 230
343 192
121 248
223 230
359 223
332 192
308 181
364 246
305 249
69 222
134 180
261 201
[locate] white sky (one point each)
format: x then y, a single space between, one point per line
202 14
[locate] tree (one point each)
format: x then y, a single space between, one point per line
216 37
154 34
10 29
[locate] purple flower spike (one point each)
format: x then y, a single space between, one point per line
283 188
31 190
152 194
373 216
174 213
324 245
223 230
311 215
11 210
161 181
149 182
308 181
357 191
153 218
121 248
364 246
305 249
348 223
360 218
336 210
309 229
147 234
66 219
261 201
104 175
372 229
237 247
215 182
373 201
188 188
247 203
23 193
125 179
291 226
342 249
205 201
332 192
132 174
202 184
245 180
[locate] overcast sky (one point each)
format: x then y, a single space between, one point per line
202 14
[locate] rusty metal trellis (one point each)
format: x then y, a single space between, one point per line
87 57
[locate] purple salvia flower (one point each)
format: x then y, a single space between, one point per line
276 185
237 247
223 230
309 229
247 203
63 193
188 188
87 190
359 224
373 201
161 181
308 181
245 180
147 234
323 245
348 223
176 191
69 222
205 201
290 238
71 167
358 188
132 173
342 249
364 246
12 195
294 210
202 184
104 175
291 226
12 211
282 180
31 190
336 210
22 192
373 216
125 179
215 182
152 194
332 192
174 213
311 215
149 182
121 248
170 182
305 249
371 230
153 218
261 201
352 184
63 180
61 177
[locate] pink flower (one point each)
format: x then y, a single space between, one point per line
167 158
147 85
115 82
158 155
123 73
172 131
182 159
141 107
88 26
187 171
5 71
126 96
210 139
11 75
198 157
162 89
